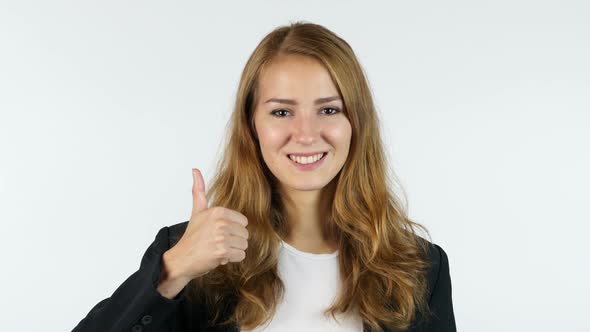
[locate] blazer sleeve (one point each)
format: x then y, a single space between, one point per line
136 305
441 302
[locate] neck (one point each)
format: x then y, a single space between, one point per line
306 216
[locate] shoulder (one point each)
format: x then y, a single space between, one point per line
435 255
439 298
437 259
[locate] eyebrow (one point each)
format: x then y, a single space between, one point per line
293 102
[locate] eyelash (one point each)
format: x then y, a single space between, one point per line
325 108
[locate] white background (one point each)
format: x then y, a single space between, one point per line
105 107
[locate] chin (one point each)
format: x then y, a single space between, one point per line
307 188
302 186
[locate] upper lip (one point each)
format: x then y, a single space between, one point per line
305 154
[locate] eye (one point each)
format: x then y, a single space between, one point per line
275 113
336 110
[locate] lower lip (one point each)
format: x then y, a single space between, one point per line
309 167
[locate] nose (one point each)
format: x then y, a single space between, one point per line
305 129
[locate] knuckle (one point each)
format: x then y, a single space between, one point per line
221 224
218 212
220 239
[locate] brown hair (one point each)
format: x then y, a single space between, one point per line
382 259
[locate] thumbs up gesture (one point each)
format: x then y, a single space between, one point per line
214 236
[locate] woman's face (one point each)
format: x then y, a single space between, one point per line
291 119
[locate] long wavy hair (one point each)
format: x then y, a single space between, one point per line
382 259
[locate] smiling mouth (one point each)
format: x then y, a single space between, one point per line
307 161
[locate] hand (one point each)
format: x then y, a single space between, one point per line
214 236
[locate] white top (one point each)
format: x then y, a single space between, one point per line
311 284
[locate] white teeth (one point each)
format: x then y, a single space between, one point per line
306 160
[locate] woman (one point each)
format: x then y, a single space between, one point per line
303 231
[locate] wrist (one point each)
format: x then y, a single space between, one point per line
170 268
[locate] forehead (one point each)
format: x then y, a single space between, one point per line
295 76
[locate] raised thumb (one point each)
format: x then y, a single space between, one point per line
199 198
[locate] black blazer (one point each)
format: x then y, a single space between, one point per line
137 306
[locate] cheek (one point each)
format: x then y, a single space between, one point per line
271 139
340 133
270 136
